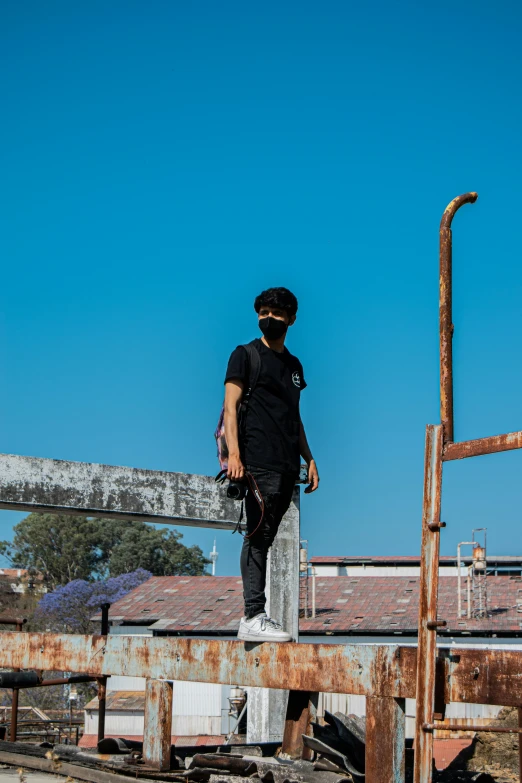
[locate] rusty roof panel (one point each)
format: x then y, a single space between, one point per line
206 604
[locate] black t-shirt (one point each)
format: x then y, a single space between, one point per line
271 429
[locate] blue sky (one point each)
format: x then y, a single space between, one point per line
164 162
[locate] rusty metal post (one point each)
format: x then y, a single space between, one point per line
385 740
520 744
102 681
19 623
429 584
102 702
445 313
300 713
157 733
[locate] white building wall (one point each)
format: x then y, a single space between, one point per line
189 698
383 570
356 705
131 724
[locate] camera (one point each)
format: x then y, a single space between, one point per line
236 490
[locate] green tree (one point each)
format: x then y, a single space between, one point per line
60 546
138 545
65 547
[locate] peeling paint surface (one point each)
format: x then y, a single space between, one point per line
357 669
36 484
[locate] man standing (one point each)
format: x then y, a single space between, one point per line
265 449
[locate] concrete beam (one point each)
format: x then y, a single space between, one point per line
50 485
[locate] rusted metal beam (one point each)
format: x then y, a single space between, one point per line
300 713
157 736
481 446
484 676
331 668
35 484
378 670
385 740
429 585
445 313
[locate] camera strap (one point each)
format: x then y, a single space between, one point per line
252 487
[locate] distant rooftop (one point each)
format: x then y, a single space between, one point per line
201 605
502 561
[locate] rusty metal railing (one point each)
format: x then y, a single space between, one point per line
441 448
385 674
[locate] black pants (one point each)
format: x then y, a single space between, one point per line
276 489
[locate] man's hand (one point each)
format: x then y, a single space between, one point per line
236 470
313 477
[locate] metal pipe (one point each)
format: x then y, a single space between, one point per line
240 718
428 621
463 727
477 448
445 314
470 568
13 621
459 588
313 590
105 619
65 680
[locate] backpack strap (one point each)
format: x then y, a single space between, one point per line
254 365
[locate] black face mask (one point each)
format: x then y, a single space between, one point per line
272 328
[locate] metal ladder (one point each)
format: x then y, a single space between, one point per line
439 448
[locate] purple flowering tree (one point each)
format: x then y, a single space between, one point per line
70 608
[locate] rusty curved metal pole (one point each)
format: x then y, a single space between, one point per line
445 313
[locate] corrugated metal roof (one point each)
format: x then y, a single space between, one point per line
345 604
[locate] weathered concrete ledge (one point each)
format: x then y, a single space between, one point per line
36 484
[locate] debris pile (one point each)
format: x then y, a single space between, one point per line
340 744
491 756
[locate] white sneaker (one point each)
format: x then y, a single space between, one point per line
262 629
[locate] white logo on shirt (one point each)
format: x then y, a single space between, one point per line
296 379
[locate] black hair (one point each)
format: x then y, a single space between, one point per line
277 297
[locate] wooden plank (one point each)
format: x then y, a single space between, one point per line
157 736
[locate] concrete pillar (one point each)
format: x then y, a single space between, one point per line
267 708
